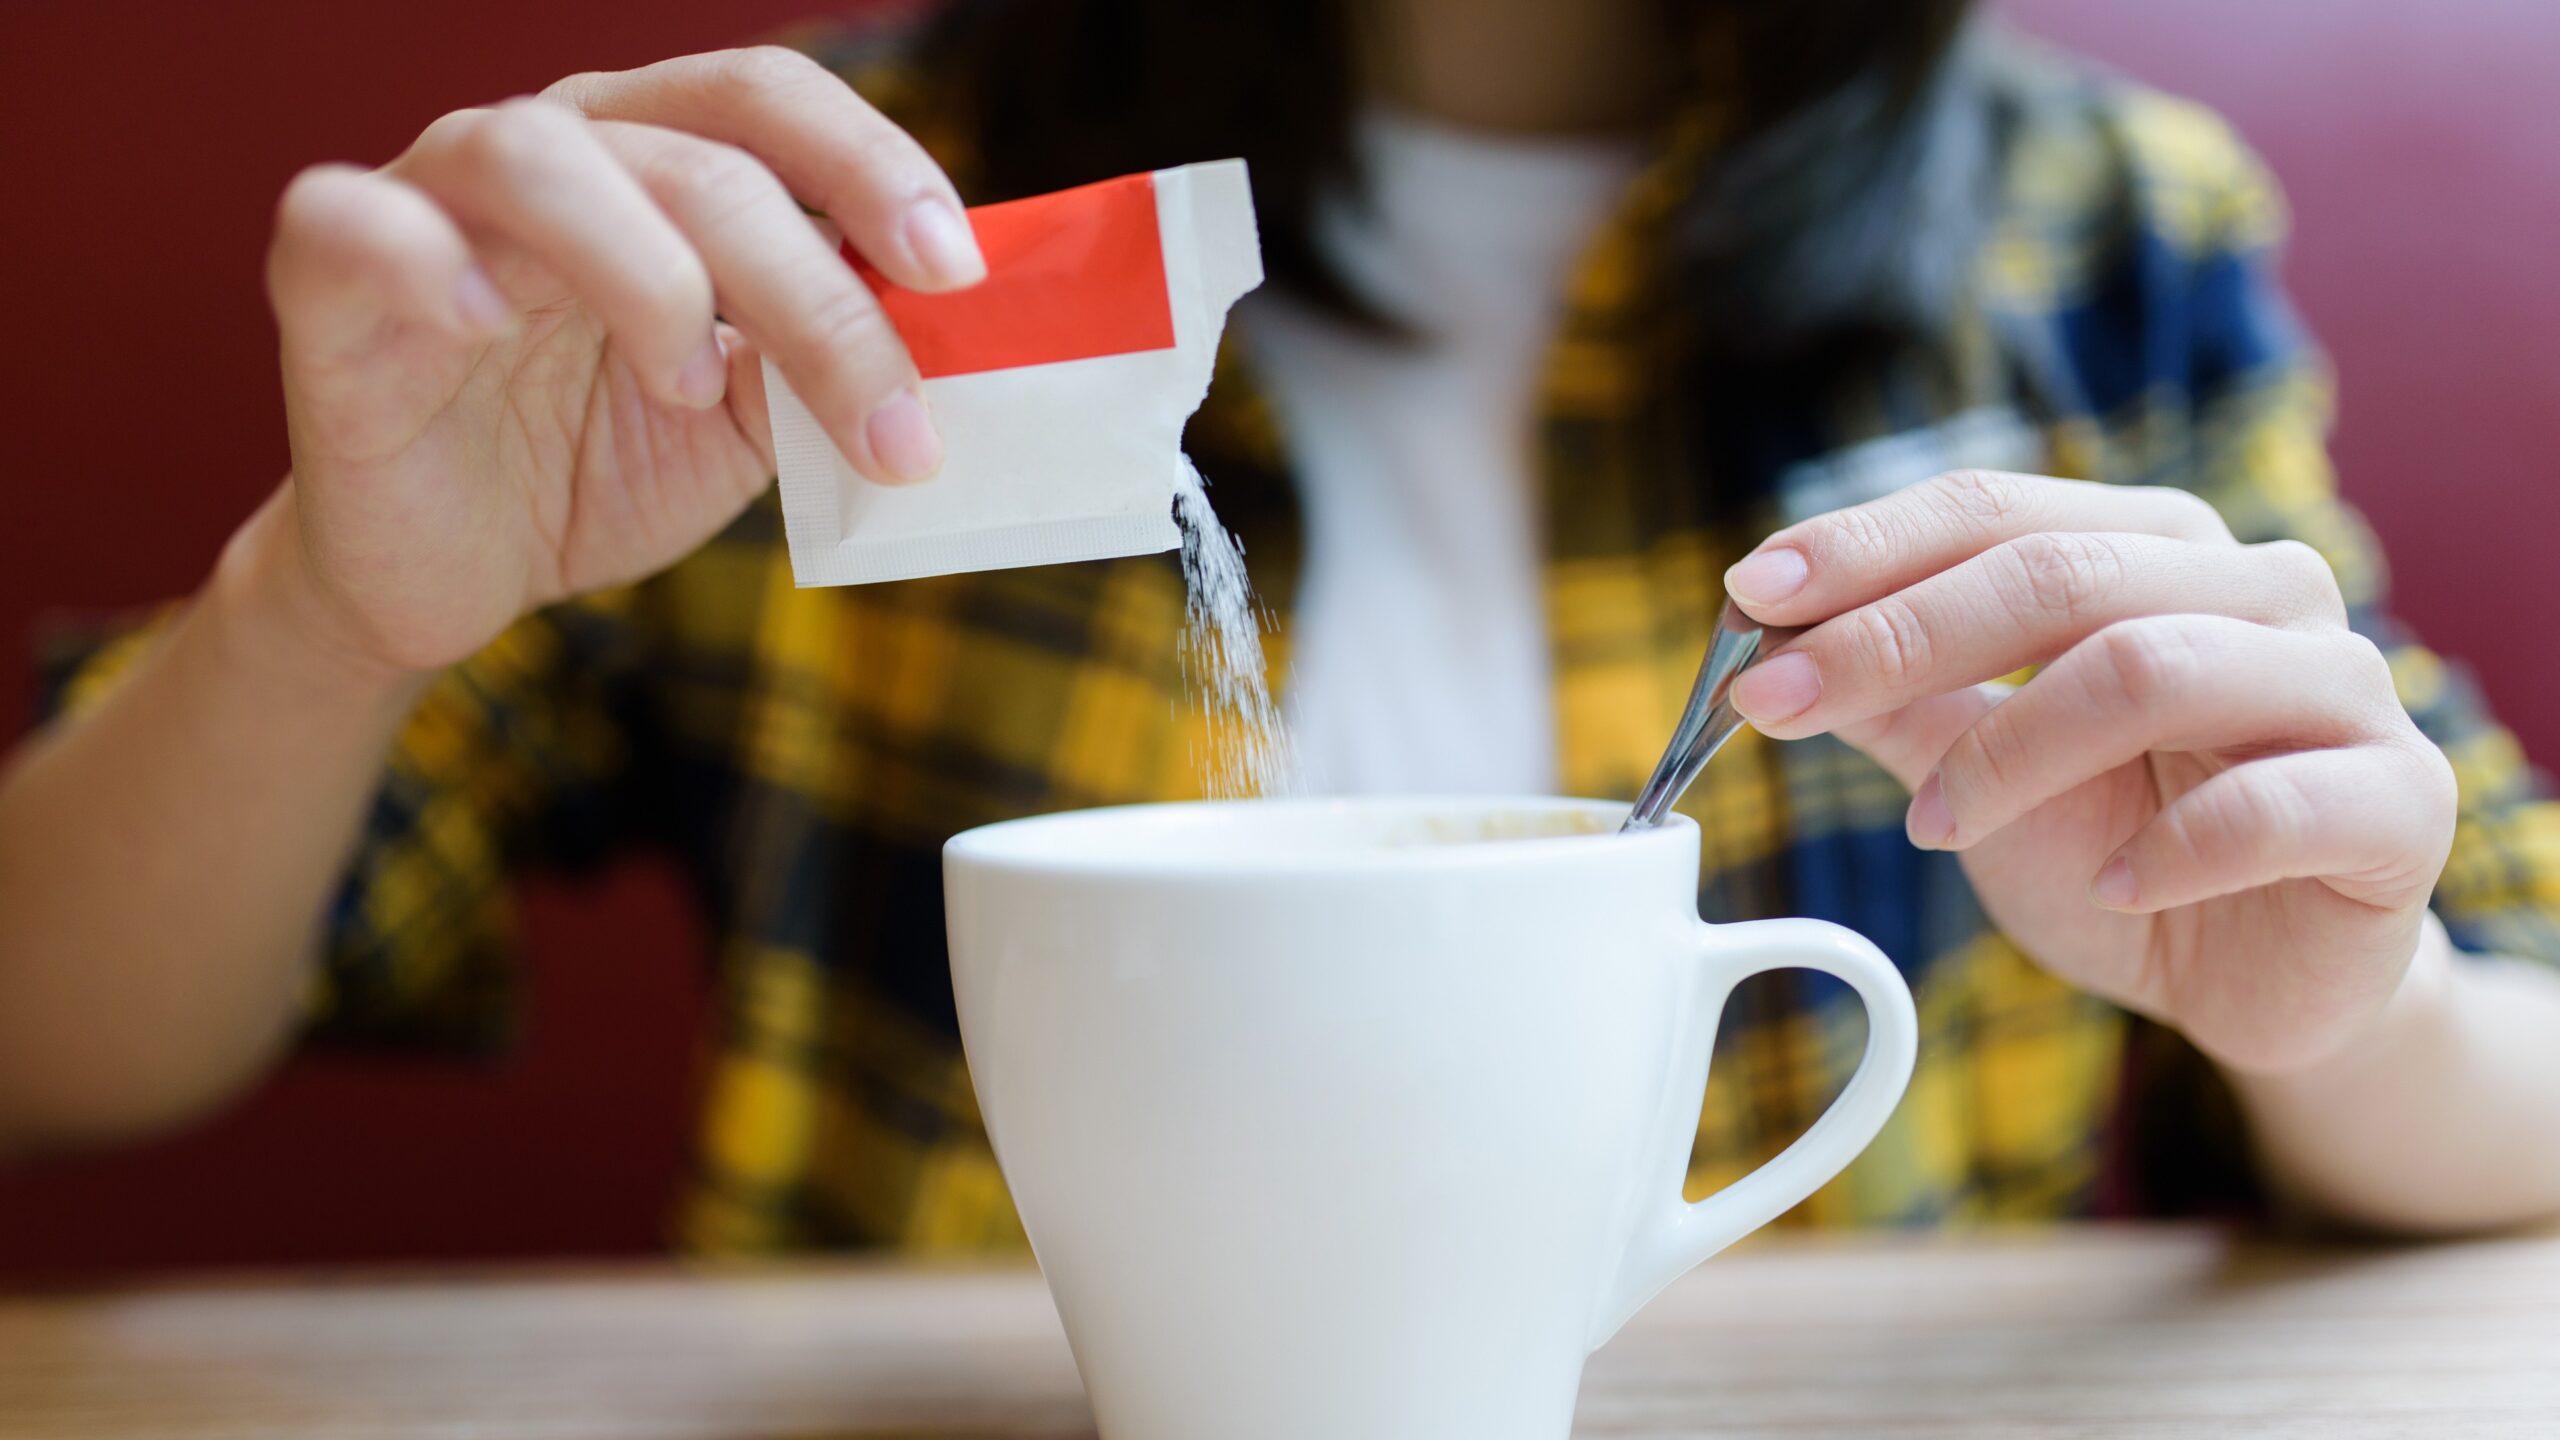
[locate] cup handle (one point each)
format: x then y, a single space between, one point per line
1673 1235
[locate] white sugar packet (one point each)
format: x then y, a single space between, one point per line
1060 385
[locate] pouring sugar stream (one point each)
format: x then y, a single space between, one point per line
1060 384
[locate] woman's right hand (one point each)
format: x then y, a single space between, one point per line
503 380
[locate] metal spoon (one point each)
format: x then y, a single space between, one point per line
1709 719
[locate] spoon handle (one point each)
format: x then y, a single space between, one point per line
1709 719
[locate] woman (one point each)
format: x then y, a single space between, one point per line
1573 306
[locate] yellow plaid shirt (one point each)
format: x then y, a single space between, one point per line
804 753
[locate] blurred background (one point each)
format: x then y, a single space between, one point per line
143 143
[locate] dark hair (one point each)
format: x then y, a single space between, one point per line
1835 209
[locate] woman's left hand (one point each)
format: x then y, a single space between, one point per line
2208 805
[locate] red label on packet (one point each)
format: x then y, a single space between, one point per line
1060 384
1070 276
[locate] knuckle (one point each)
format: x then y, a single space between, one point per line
536 116
1889 636
712 181
2367 669
2439 785
448 133
889 165
2431 776
2065 573
2192 517
2293 556
515 135
577 91
1853 537
2305 574
328 226
678 290
2366 661
318 196
759 68
2140 663
1987 498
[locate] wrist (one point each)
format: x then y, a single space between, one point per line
2416 1008
267 613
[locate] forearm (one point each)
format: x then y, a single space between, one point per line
2444 1118
164 861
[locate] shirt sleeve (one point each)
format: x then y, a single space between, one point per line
523 757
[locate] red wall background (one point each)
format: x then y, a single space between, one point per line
142 144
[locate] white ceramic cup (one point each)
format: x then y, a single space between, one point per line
1341 1120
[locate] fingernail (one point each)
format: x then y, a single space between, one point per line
479 304
705 376
1778 688
903 439
1931 825
944 246
1765 577
2114 886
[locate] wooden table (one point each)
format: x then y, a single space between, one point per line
2073 1334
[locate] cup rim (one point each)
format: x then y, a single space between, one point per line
1050 843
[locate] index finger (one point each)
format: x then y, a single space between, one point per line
828 145
1818 568
2017 604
